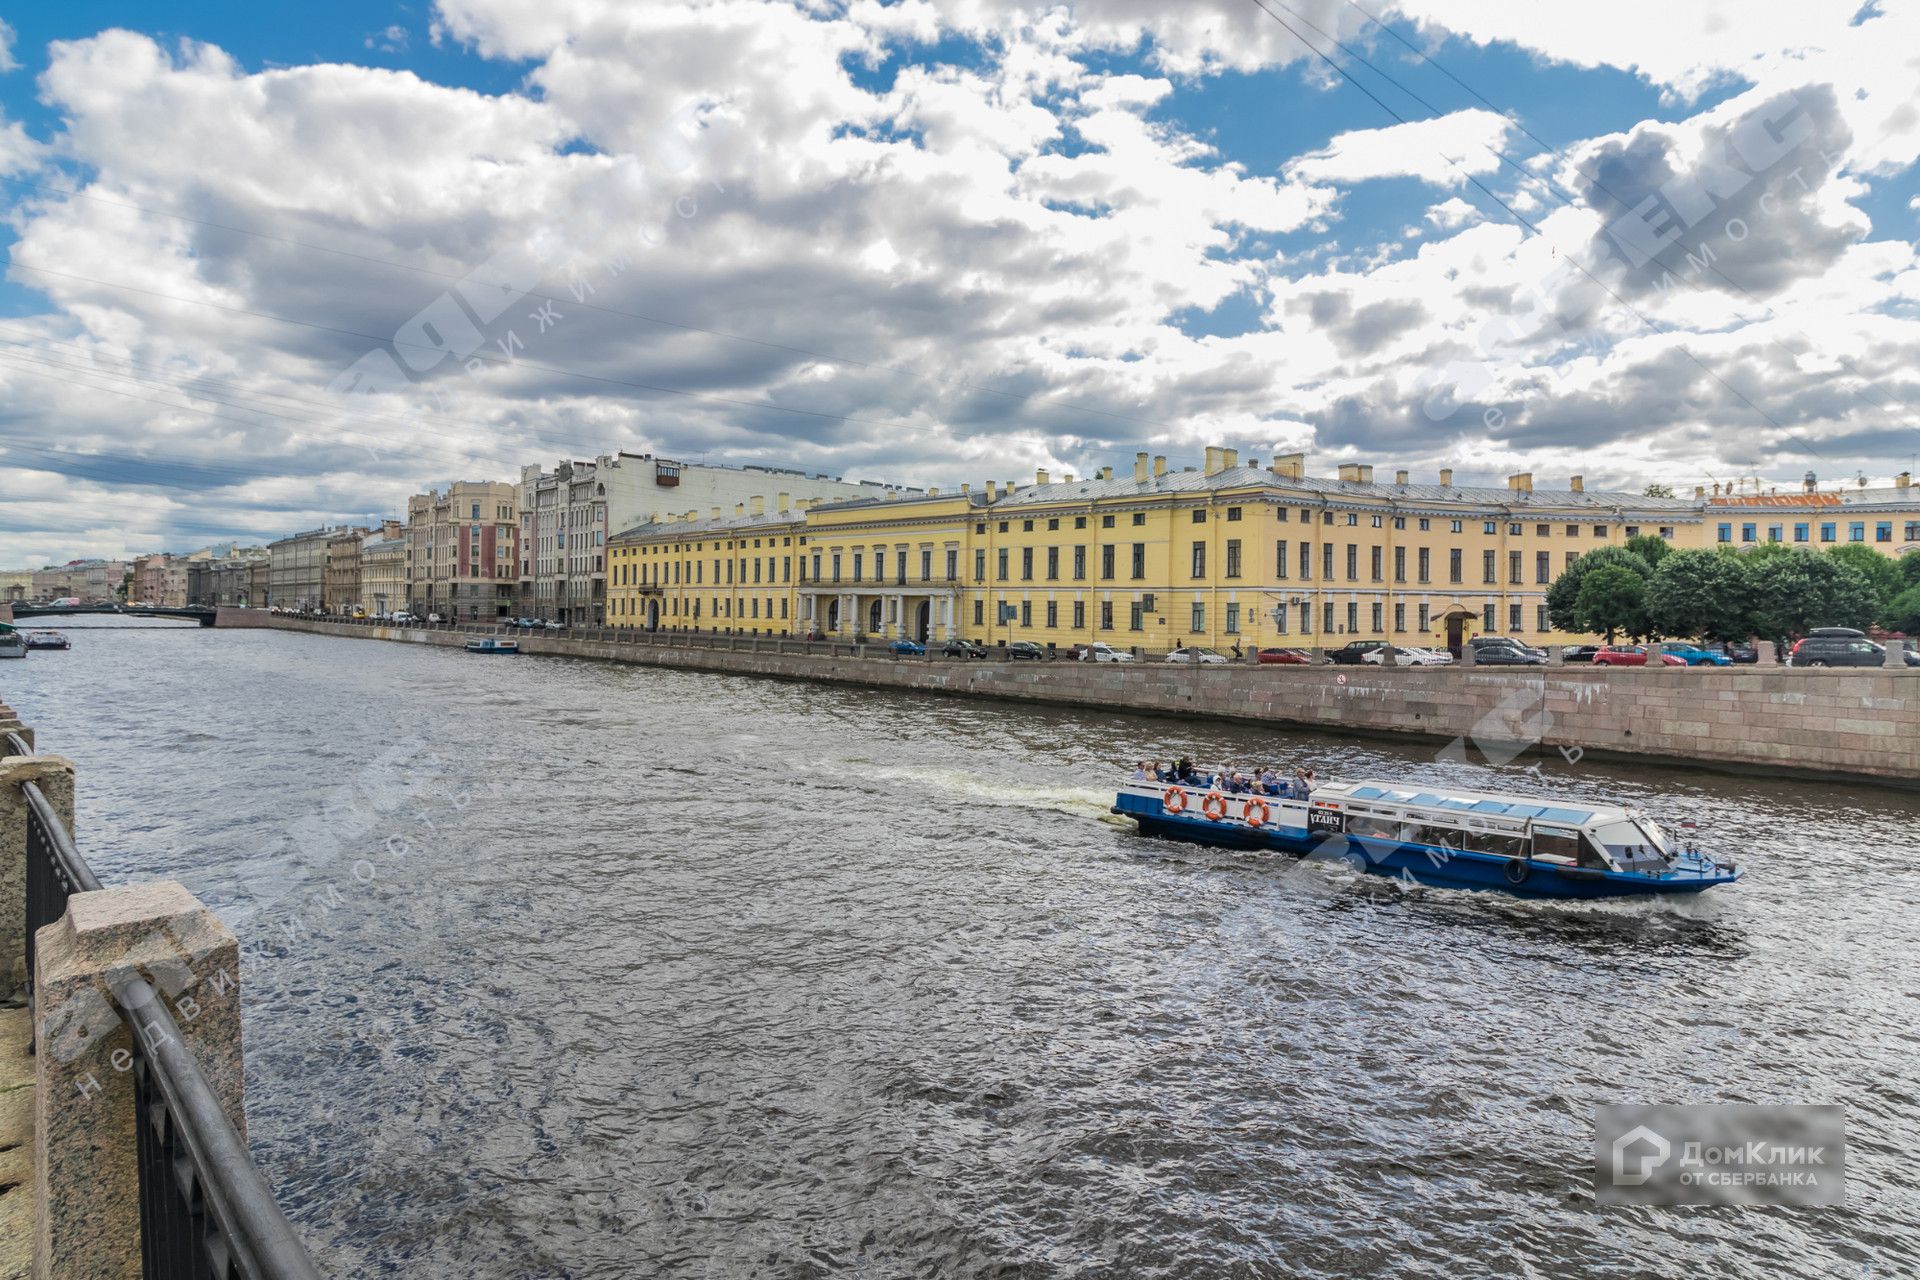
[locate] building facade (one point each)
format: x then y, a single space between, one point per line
92 581
462 550
297 572
16 585
383 576
1886 518
567 516
1224 555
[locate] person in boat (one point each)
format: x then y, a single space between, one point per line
1140 772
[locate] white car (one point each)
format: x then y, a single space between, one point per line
1410 656
1196 654
434 618
404 618
1101 652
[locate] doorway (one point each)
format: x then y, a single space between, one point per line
923 622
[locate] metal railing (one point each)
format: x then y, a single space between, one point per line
206 1213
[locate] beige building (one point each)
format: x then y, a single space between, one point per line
16 585
93 581
298 573
383 576
462 551
150 579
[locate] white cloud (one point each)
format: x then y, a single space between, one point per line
7 60
1441 150
391 40
1452 213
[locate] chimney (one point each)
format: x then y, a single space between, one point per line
1577 483
739 508
1159 464
1699 491
1254 463
1812 482
1067 478
1292 466
1106 473
1446 477
1399 477
714 512
966 486
933 491
1903 481
1139 468
1230 458
1521 482
1040 476
1356 473
1216 460
992 490
893 495
782 501
758 504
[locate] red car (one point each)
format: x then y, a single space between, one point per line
1286 657
1631 655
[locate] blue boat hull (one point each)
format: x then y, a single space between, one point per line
1443 868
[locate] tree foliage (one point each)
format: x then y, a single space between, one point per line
1650 548
1563 597
1658 491
1705 594
1796 592
1909 567
1613 598
1881 573
1904 613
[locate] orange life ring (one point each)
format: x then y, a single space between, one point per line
1214 806
1255 812
1174 800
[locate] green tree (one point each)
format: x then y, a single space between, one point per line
1796 592
1904 613
1909 566
1706 594
1658 491
1650 548
1613 598
1563 597
1881 573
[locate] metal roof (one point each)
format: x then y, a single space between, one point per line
1485 803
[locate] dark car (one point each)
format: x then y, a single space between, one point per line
963 649
904 648
1738 651
1285 657
1482 643
1837 650
1026 649
1353 652
1507 655
1579 652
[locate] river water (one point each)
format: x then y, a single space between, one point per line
558 968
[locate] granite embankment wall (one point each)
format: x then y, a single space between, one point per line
1862 722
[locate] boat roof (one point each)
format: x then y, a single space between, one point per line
1488 803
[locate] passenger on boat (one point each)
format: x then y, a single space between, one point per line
1140 772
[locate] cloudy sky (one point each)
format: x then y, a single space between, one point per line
270 267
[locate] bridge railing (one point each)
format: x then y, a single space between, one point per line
204 1210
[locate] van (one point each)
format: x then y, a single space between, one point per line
1837 647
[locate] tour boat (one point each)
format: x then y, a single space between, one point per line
492 644
12 643
48 640
1453 839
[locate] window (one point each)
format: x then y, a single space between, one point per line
1233 619
1540 620
1199 515
1426 565
979 613
1399 617
1513 617
1079 615
1773 532
1079 564
1026 563
836 568
1326 561
1003 565
1599 531
1455 524
1491 526
1106 522
1306 561
1424 617
1353 616
1399 564
953 564
1486 566
1375 557
1003 526
1826 531
1913 531
1026 614
1542 530
1486 617
1199 559
1233 557
1052 525
1139 518
926 564
979 564
1280 558
1139 560
1026 526
1353 519
1857 531
1079 522
1106 615
1199 617
1233 514
1135 621
1053 615
1453 564
1377 606
1425 524
1513 567
1106 561
1326 616
1353 562
1748 533
1053 564
856 565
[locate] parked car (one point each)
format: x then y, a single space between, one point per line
1354 652
905 648
1284 657
551 625
1507 655
1739 651
1198 656
1027 650
1631 655
1500 642
1098 651
1823 648
1695 656
1579 652
405 619
963 649
1419 656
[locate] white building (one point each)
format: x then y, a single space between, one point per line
567 515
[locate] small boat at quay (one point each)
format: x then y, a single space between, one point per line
1452 839
492 644
12 643
48 640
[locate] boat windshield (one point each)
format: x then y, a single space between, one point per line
1628 843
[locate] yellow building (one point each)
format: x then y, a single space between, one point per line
1222 555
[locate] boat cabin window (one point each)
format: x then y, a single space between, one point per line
1427 833
1498 843
1552 842
1360 824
